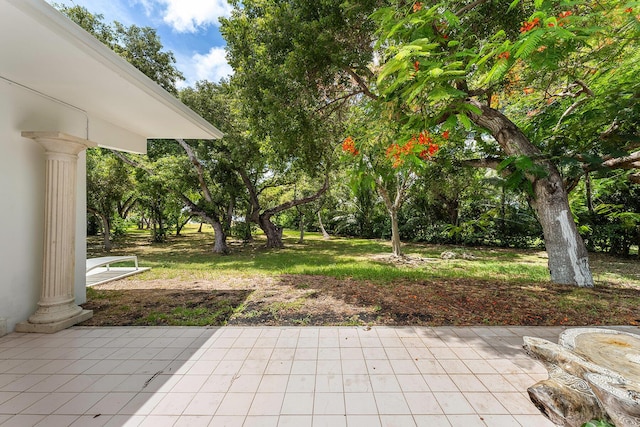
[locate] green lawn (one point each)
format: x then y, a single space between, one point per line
358 282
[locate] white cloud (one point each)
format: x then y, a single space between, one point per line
211 66
187 15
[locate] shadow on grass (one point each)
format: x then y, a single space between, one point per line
162 307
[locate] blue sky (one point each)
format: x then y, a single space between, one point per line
188 28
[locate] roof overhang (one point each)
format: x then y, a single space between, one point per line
43 51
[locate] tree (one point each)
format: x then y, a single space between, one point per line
292 104
109 186
140 46
389 166
444 64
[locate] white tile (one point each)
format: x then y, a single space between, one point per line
440 382
397 421
371 353
273 384
431 421
173 404
533 421
351 353
360 403
363 421
112 403
49 403
303 367
329 353
391 403
423 403
278 367
356 383
453 403
517 403
328 403
56 421
354 367
80 404
329 383
235 404
204 404
454 366
467 382
485 403
404 367
301 383
378 367
498 383
245 384
266 404
329 421
466 421
384 383
217 383
193 421
295 421
23 420
261 421
297 403
142 403
159 421
412 383
500 421
325 367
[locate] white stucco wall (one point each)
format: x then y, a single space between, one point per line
22 195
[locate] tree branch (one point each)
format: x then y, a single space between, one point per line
632 161
296 202
470 6
362 84
199 169
489 163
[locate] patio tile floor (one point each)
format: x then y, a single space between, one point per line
271 376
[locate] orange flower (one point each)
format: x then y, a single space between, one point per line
416 66
417 6
445 134
562 15
349 146
529 25
629 10
528 90
504 55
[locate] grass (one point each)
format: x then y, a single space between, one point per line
353 281
189 257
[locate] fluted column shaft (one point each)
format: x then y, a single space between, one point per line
56 308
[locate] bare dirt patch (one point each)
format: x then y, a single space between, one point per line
321 300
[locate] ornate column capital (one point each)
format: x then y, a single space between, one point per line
59 142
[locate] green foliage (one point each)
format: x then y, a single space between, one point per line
140 46
598 423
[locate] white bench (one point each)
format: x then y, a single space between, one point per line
106 261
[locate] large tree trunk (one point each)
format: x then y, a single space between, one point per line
219 238
272 231
106 229
568 257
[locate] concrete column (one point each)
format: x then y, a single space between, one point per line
57 309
